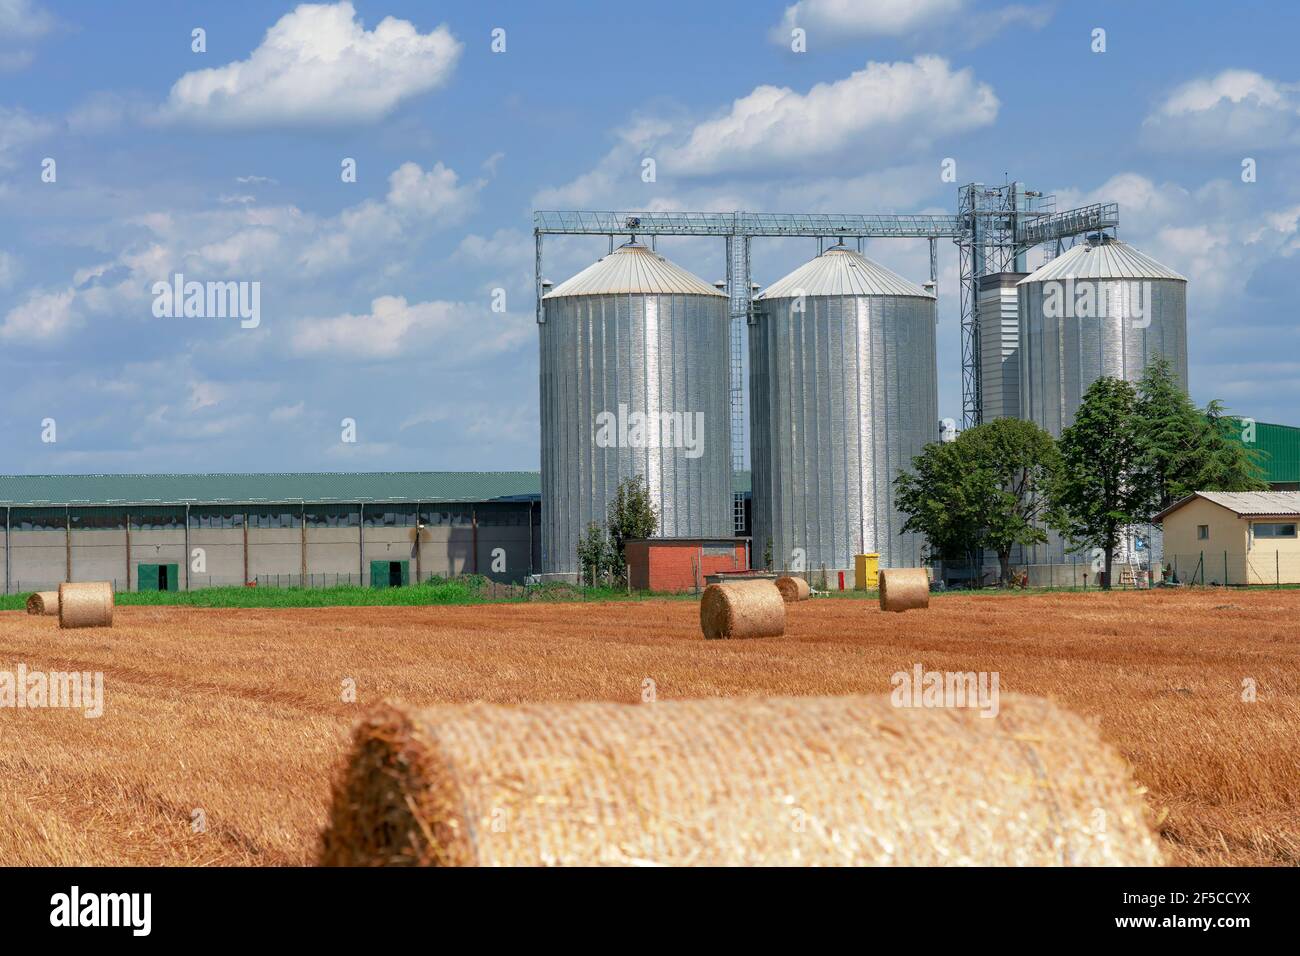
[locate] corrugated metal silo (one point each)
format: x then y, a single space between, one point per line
1102 308
843 394
633 335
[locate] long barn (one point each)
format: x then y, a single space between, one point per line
177 532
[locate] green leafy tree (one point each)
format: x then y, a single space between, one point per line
1102 486
595 555
1227 463
941 497
1014 466
631 515
1186 449
1172 435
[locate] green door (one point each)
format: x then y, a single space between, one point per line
389 574
146 577
169 577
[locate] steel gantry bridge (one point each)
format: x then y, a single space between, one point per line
994 229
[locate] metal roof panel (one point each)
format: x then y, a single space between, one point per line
314 487
841 271
1110 259
632 269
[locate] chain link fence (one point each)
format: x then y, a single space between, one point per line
1229 569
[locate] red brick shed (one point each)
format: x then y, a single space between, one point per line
680 564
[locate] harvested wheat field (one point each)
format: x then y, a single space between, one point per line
224 729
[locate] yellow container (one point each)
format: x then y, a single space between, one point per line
866 572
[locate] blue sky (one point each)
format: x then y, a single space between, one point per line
376 295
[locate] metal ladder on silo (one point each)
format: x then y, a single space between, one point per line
739 293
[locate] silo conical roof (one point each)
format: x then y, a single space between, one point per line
632 269
842 271
1104 259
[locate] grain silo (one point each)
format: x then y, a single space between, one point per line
634 382
843 392
1102 308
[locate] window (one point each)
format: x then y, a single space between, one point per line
37 519
1275 529
332 516
390 516
1202 532
455 516
216 516
273 516
156 519
504 516
98 519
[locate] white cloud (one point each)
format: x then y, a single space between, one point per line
832 22
435 192
284 248
43 317
853 18
883 108
18 130
619 165
8 269
206 394
1235 109
417 201
395 328
287 413
884 113
318 65
23 20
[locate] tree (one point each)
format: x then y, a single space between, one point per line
631 515
941 498
595 556
1171 433
1185 449
1227 464
1016 464
1102 486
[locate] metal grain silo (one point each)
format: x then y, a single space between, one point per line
632 338
843 394
1101 308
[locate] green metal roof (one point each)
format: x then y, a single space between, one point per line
252 488
1280 445
321 487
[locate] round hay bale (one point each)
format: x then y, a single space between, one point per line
742 609
88 604
734 782
793 589
43 602
904 589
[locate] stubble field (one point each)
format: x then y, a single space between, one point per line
236 718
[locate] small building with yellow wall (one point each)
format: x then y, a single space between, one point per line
1222 537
